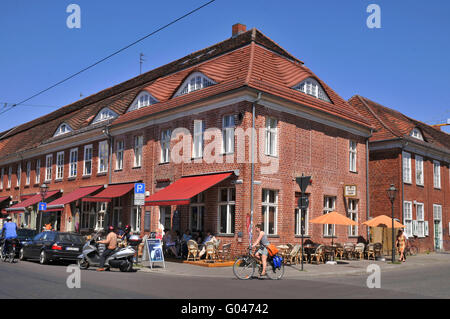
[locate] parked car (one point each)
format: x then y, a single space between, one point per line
53 246
23 236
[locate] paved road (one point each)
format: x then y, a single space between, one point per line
32 280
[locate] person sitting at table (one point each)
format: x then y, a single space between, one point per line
209 237
186 237
170 243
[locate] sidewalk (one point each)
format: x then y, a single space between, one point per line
346 267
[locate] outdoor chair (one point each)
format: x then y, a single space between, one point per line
292 258
192 250
349 248
211 252
359 251
378 247
318 255
225 252
370 251
339 251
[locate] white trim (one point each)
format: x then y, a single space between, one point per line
312 87
188 87
110 114
59 168
138 102
105 157
67 127
47 168
73 163
84 159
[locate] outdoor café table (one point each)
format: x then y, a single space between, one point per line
329 252
283 250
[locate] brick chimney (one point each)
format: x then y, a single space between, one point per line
238 29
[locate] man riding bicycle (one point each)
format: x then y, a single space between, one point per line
262 252
10 232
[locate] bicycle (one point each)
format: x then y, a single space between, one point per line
244 267
411 247
10 255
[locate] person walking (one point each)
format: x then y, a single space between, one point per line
111 245
401 244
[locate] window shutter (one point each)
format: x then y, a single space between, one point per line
426 229
415 228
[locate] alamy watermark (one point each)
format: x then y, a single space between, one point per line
74 19
374 279
74 279
374 20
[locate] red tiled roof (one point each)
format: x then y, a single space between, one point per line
391 124
248 60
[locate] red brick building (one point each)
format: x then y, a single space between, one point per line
415 158
185 129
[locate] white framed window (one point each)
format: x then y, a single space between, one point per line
9 176
437 174
87 167
353 215
416 134
101 215
311 87
329 204
103 157
269 207
228 134
420 214
142 100
104 114
165 146
194 82
59 165
271 136
135 222
19 174
419 170
119 154
227 209
407 218
2 177
73 164
63 129
197 213
199 128
298 222
38 171
27 180
88 215
406 167
437 212
352 156
48 167
138 143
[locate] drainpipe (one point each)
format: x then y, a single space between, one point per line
252 167
367 182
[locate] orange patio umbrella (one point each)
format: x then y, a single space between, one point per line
383 221
333 218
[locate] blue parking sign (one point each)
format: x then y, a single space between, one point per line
139 188
42 206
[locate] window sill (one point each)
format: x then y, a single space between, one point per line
225 235
163 163
420 185
273 236
329 236
405 182
437 188
196 158
353 172
86 176
270 155
102 173
226 153
72 178
118 170
59 180
354 236
304 236
136 167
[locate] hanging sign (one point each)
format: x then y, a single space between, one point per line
350 190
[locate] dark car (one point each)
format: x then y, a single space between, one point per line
23 236
53 246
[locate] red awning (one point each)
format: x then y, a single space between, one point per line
3 198
73 196
30 202
112 191
181 191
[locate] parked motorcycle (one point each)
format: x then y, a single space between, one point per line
121 258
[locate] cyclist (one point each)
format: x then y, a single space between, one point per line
10 232
262 252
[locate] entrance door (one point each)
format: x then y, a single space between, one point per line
437 235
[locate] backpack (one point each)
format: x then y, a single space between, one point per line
272 250
277 260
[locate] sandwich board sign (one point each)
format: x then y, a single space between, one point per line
154 251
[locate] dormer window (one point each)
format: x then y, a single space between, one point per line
63 129
416 134
194 82
142 100
104 114
311 87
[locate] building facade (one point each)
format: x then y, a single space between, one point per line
415 158
185 130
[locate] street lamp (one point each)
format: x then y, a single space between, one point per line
392 191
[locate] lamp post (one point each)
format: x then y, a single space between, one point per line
43 191
392 191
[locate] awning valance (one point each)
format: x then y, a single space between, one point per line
30 202
73 196
181 191
112 191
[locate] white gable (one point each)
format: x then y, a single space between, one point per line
62 129
194 82
104 114
143 99
311 87
416 134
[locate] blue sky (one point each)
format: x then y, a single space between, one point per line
404 65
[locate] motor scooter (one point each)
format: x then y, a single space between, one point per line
121 258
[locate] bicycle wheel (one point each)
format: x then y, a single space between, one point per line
274 273
244 268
